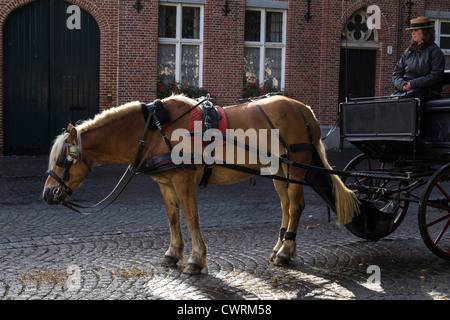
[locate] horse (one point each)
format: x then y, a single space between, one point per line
112 137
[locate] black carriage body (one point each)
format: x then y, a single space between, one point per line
398 130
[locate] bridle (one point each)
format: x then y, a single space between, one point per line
65 161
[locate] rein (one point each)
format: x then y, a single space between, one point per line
73 206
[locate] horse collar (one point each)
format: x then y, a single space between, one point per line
157 112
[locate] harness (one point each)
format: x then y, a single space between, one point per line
208 114
293 147
211 115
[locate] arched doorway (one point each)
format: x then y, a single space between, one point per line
51 73
359 46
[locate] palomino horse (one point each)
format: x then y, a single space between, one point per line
113 135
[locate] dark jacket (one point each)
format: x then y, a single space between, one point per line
421 65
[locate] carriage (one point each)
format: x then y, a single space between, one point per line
405 157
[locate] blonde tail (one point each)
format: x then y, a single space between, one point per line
347 204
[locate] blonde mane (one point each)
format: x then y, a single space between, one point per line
99 120
108 116
57 149
180 98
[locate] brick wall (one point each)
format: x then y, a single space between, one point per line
129 48
223 50
138 52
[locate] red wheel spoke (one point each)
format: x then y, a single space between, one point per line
434 213
369 164
438 220
442 232
443 191
437 205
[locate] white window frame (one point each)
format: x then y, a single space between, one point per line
437 27
178 41
263 45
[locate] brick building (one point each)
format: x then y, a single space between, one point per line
62 61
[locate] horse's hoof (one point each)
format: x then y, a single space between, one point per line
281 261
192 268
169 261
273 256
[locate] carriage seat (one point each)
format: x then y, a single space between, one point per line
434 105
436 123
442 104
436 119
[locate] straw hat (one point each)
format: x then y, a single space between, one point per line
420 23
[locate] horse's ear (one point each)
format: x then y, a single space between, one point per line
73 134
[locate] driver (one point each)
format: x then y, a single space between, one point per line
420 70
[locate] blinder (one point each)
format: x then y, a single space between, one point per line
65 161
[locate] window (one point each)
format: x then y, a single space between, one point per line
358 35
443 39
180 46
356 28
265 45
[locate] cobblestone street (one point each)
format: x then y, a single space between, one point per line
50 252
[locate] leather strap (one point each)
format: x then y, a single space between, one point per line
289 236
271 124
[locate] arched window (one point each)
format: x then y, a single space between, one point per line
357 33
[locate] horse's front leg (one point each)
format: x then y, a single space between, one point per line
175 251
185 188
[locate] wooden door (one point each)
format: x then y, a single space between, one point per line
51 74
357 73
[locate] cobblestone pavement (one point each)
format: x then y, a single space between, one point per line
49 252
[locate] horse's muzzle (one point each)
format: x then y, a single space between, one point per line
54 195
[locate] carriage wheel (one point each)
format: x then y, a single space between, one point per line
379 216
434 213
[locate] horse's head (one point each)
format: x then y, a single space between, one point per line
67 167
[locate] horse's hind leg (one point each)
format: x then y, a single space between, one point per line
280 186
175 251
296 206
